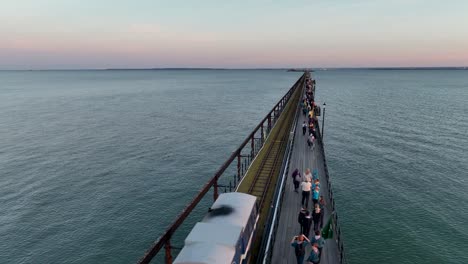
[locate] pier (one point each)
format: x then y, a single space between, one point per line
262 166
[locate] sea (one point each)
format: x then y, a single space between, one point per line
94 165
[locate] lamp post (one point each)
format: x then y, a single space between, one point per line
323 118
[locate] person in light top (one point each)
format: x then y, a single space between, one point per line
305 187
310 141
307 175
304 128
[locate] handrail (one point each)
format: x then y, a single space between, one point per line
272 116
337 228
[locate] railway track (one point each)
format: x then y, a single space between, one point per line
273 159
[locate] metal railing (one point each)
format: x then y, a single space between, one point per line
336 226
269 238
244 155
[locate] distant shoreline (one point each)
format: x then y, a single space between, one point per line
229 69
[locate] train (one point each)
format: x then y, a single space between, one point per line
225 234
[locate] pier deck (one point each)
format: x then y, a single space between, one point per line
302 158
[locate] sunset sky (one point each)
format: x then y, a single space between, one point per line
66 34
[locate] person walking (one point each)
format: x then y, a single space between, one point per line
307 223
316 216
299 244
307 175
316 194
316 183
313 132
310 141
315 174
301 219
314 256
318 239
305 187
296 175
322 209
304 128
304 106
311 127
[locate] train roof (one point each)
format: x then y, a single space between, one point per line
205 253
220 234
231 209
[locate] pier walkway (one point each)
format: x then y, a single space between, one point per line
302 158
262 166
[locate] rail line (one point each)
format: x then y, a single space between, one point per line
265 174
272 161
269 165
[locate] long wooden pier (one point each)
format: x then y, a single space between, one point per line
261 166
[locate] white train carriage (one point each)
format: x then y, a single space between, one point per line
225 233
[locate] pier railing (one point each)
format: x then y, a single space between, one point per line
337 229
273 219
227 177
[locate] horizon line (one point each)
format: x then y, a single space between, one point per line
247 68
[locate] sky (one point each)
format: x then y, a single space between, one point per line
98 34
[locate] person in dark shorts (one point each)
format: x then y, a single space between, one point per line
322 209
296 175
301 219
307 221
306 187
316 216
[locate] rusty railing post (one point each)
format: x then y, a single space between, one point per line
167 246
215 191
252 147
238 167
269 123
261 136
275 113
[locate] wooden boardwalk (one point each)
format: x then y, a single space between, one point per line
301 158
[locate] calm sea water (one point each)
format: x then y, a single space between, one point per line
95 164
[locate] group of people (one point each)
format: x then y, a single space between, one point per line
310 186
300 243
308 108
